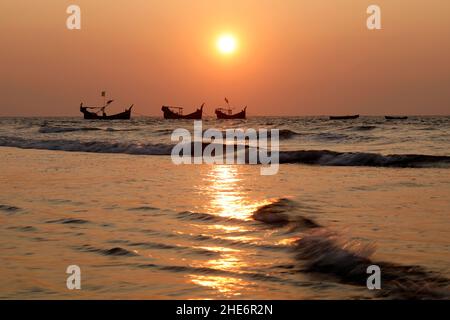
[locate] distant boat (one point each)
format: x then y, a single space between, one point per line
94 114
356 116
395 118
223 113
227 113
177 113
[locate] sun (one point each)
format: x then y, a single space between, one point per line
226 44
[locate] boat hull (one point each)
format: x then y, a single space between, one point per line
395 118
239 115
356 116
169 114
126 115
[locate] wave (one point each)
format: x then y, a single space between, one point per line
363 128
179 248
321 251
50 129
287 134
199 216
88 146
279 212
23 228
313 157
9 209
116 251
252 275
325 252
334 137
47 129
163 132
119 130
69 221
143 208
333 158
329 136
283 134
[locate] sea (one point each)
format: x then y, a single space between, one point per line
106 196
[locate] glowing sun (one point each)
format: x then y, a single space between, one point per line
226 44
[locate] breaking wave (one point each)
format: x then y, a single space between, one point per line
88 146
278 211
332 158
287 134
313 157
323 252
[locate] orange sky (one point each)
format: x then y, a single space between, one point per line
295 57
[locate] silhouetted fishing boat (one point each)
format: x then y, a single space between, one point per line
395 118
94 114
223 113
126 115
227 113
177 113
356 116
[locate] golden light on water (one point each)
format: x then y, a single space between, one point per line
227 286
228 198
229 261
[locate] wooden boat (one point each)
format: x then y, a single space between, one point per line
94 114
395 118
177 113
126 115
223 113
356 116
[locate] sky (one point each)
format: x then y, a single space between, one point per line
293 57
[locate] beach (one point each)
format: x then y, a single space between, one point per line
140 227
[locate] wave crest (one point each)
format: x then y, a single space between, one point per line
88 146
314 157
49 129
333 158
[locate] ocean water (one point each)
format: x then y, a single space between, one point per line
106 196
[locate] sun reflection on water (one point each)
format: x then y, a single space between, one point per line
227 286
228 198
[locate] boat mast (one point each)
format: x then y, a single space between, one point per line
104 98
228 104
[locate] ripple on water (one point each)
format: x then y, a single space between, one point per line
9 209
143 208
116 251
69 221
198 216
178 248
260 276
23 228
